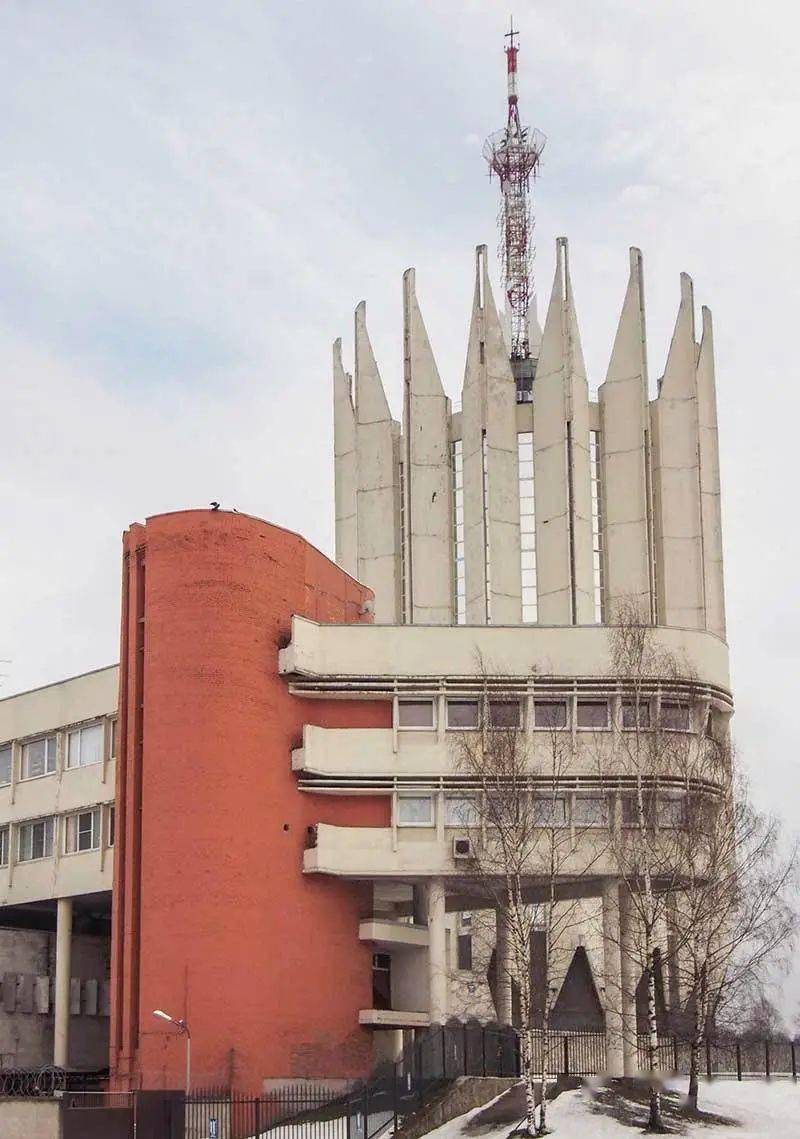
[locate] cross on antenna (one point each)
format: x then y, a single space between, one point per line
510 35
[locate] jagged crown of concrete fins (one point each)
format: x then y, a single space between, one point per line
625 488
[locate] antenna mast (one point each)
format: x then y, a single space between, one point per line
513 155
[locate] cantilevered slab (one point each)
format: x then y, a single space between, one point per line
676 478
344 463
378 492
625 451
429 524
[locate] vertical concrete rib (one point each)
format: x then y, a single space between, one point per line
491 475
377 502
562 485
427 465
676 478
711 515
344 465
624 443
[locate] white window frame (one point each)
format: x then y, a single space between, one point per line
421 794
29 823
78 732
417 727
5 844
461 797
111 825
9 747
463 700
113 737
34 740
97 826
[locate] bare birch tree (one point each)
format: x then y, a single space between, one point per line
525 847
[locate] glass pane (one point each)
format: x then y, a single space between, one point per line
672 811
414 810
50 754
590 811
675 717
460 811
462 713
592 714
415 714
91 744
33 759
550 713
3 846
549 812
74 749
504 713
5 764
113 738
629 715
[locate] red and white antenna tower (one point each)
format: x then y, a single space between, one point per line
513 155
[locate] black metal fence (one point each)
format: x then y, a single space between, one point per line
731 1056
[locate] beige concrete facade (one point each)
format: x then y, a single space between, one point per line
57 783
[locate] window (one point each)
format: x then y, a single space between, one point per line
462 714
461 811
527 528
113 750
550 713
672 810
82 831
505 713
36 839
112 820
674 717
459 580
629 710
85 746
630 810
592 713
590 811
6 754
414 810
416 714
4 846
39 757
549 812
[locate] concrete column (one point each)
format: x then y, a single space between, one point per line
437 952
629 977
505 1013
63 974
612 971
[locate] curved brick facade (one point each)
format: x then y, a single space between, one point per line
213 919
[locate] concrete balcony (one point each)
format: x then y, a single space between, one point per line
392 1018
387 934
353 654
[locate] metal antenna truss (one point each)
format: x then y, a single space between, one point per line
513 155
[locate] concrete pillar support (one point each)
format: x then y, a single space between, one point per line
505 1014
612 970
437 952
63 974
629 978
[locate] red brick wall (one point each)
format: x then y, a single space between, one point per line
213 919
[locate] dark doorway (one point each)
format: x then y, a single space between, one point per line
381 980
578 1004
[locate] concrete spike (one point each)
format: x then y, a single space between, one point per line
551 355
345 474
372 405
425 379
710 480
679 373
629 356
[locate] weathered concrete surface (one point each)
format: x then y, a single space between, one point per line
465 1094
30 1118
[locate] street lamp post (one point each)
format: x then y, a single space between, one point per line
183 1030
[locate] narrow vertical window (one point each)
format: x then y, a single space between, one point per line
459 582
527 528
597 526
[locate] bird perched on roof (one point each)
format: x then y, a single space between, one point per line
215 506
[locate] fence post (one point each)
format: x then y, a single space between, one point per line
366 1111
483 1048
708 1058
444 1052
738 1059
257 1114
394 1098
464 1031
675 1052
766 1058
794 1062
566 1056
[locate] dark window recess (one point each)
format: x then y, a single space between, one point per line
550 713
629 714
381 980
675 717
462 713
504 713
465 951
592 714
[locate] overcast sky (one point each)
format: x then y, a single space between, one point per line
194 197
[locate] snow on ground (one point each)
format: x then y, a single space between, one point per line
761 1109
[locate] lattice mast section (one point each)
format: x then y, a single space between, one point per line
513 155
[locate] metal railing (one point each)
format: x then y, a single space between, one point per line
726 1056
